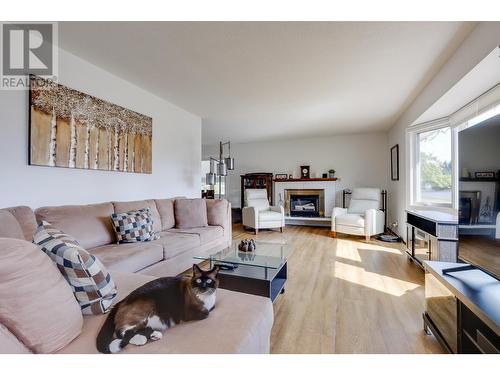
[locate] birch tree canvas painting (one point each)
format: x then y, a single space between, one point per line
74 130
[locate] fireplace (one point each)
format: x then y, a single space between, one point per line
469 203
305 202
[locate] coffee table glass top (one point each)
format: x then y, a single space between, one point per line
267 255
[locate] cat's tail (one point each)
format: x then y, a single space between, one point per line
104 342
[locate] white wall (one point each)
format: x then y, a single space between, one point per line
482 40
176 147
359 160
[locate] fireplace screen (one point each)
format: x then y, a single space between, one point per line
304 203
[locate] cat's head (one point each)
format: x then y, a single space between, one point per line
205 281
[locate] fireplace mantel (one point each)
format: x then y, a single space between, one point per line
303 179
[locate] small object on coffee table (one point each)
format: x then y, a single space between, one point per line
247 245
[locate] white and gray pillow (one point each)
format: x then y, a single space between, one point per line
92 285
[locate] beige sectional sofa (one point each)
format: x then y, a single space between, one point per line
241 323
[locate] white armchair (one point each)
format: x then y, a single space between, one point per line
363 217
258 214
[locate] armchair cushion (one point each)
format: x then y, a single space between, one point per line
372 194
359 206
363 199
350 220
270 216
257 198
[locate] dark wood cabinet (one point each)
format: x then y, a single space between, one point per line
257 181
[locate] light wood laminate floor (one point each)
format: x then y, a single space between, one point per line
346 295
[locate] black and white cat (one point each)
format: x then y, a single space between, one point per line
152 308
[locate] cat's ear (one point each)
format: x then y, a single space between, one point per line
214 271
197 272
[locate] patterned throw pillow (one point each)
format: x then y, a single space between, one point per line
92 285
133 226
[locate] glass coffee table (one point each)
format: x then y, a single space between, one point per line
261 272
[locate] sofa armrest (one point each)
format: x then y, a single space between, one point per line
374 222
337 211
250 217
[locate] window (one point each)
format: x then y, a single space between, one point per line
432 167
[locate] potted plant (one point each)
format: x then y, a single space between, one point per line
331 173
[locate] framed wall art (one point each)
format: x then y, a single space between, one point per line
71 129
395 163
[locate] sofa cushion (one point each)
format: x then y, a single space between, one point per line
9 226
129 257
350 220
166 210
26 219
92 284
206 234
217 211
90 224
137 205
9 344
270 216
36 303
247 322
190 213
133 226
177 243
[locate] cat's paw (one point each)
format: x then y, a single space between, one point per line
114 346
138 340
156 335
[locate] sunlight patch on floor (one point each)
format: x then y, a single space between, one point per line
381 283
346 250
373 247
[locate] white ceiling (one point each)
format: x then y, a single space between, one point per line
253 81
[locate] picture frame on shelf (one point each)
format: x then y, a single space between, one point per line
395 163
485 175
281 176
